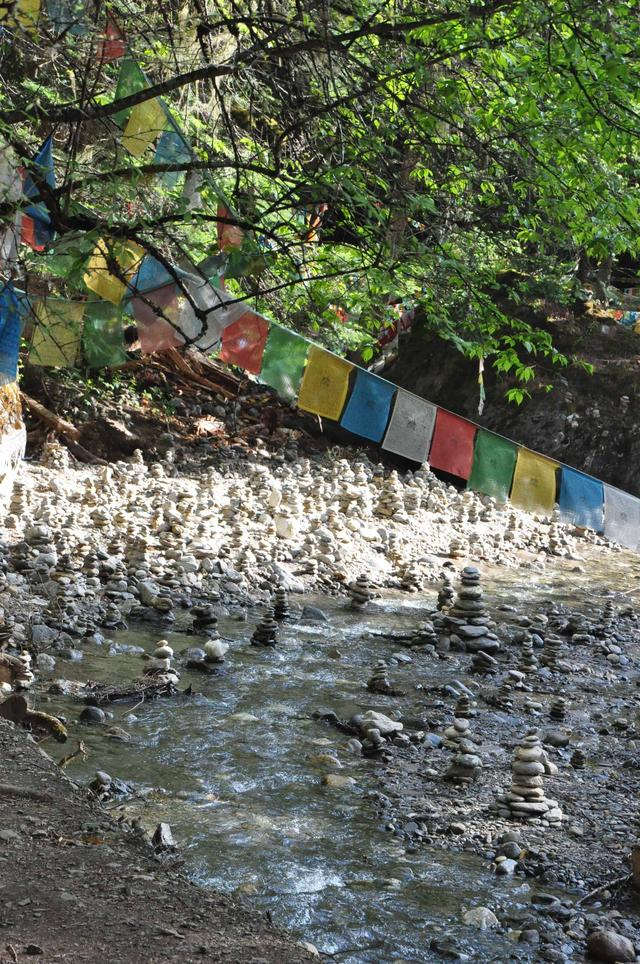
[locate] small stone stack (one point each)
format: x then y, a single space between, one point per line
266 632
557 710
526 799
446 594
458 548
280 606
578 759
551 652
459 736
425 635
483 663
205 621
464 768
528 662
463 709
468 619
503 696
379 682
160 662
361 593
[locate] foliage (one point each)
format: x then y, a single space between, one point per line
449 141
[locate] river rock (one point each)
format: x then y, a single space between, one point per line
608 946
372 720
337 781
92 714
480 917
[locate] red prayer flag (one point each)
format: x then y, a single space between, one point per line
114 43
28 233
230 236
243 342
452 445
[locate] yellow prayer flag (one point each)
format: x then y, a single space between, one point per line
98 277
24 12
146 122
534 483
57 334
325 384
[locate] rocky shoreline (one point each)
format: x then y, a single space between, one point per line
87 551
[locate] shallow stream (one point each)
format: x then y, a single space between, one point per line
233 775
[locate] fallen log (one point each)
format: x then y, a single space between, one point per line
59 425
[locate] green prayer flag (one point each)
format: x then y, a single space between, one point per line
494 460
131 79
283 361
102 336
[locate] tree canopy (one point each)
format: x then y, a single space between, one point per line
328 159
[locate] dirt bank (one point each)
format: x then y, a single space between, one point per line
78 887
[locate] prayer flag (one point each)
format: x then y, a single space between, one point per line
149 305
285 354
411 427
57 334
494 460
10 330
452 444
28 234
172 149
102 335
367 411
67 16
38 234
621 517
534 482
221 310
10 193
325 384
243 342
230 236
146 122
130 80
114 44
581 499
108 254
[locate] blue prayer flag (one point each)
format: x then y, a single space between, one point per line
581 499
44 162
172 149
10 330
367 411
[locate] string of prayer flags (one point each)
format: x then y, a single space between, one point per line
68 16
131 79
581 499
102 336
243 342
325 384
10 330
146 122
109 255
621 517
411 427
534 482
452 444
57 335
283 361
220 310
367 411
114 43
494 461
36 227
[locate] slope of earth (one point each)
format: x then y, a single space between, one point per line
581 421
76 887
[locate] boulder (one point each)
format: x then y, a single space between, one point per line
604 945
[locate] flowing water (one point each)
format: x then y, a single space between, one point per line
232 774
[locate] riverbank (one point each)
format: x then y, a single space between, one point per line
80 886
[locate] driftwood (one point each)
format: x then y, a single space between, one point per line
178 362
60 426
146 688
16 710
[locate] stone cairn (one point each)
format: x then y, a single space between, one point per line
503 698
526 799
558 710
379 682
266 632
280 606
205 621
551 652
361 593
528 662
468 619
578 759
446 594
463 709
466 763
